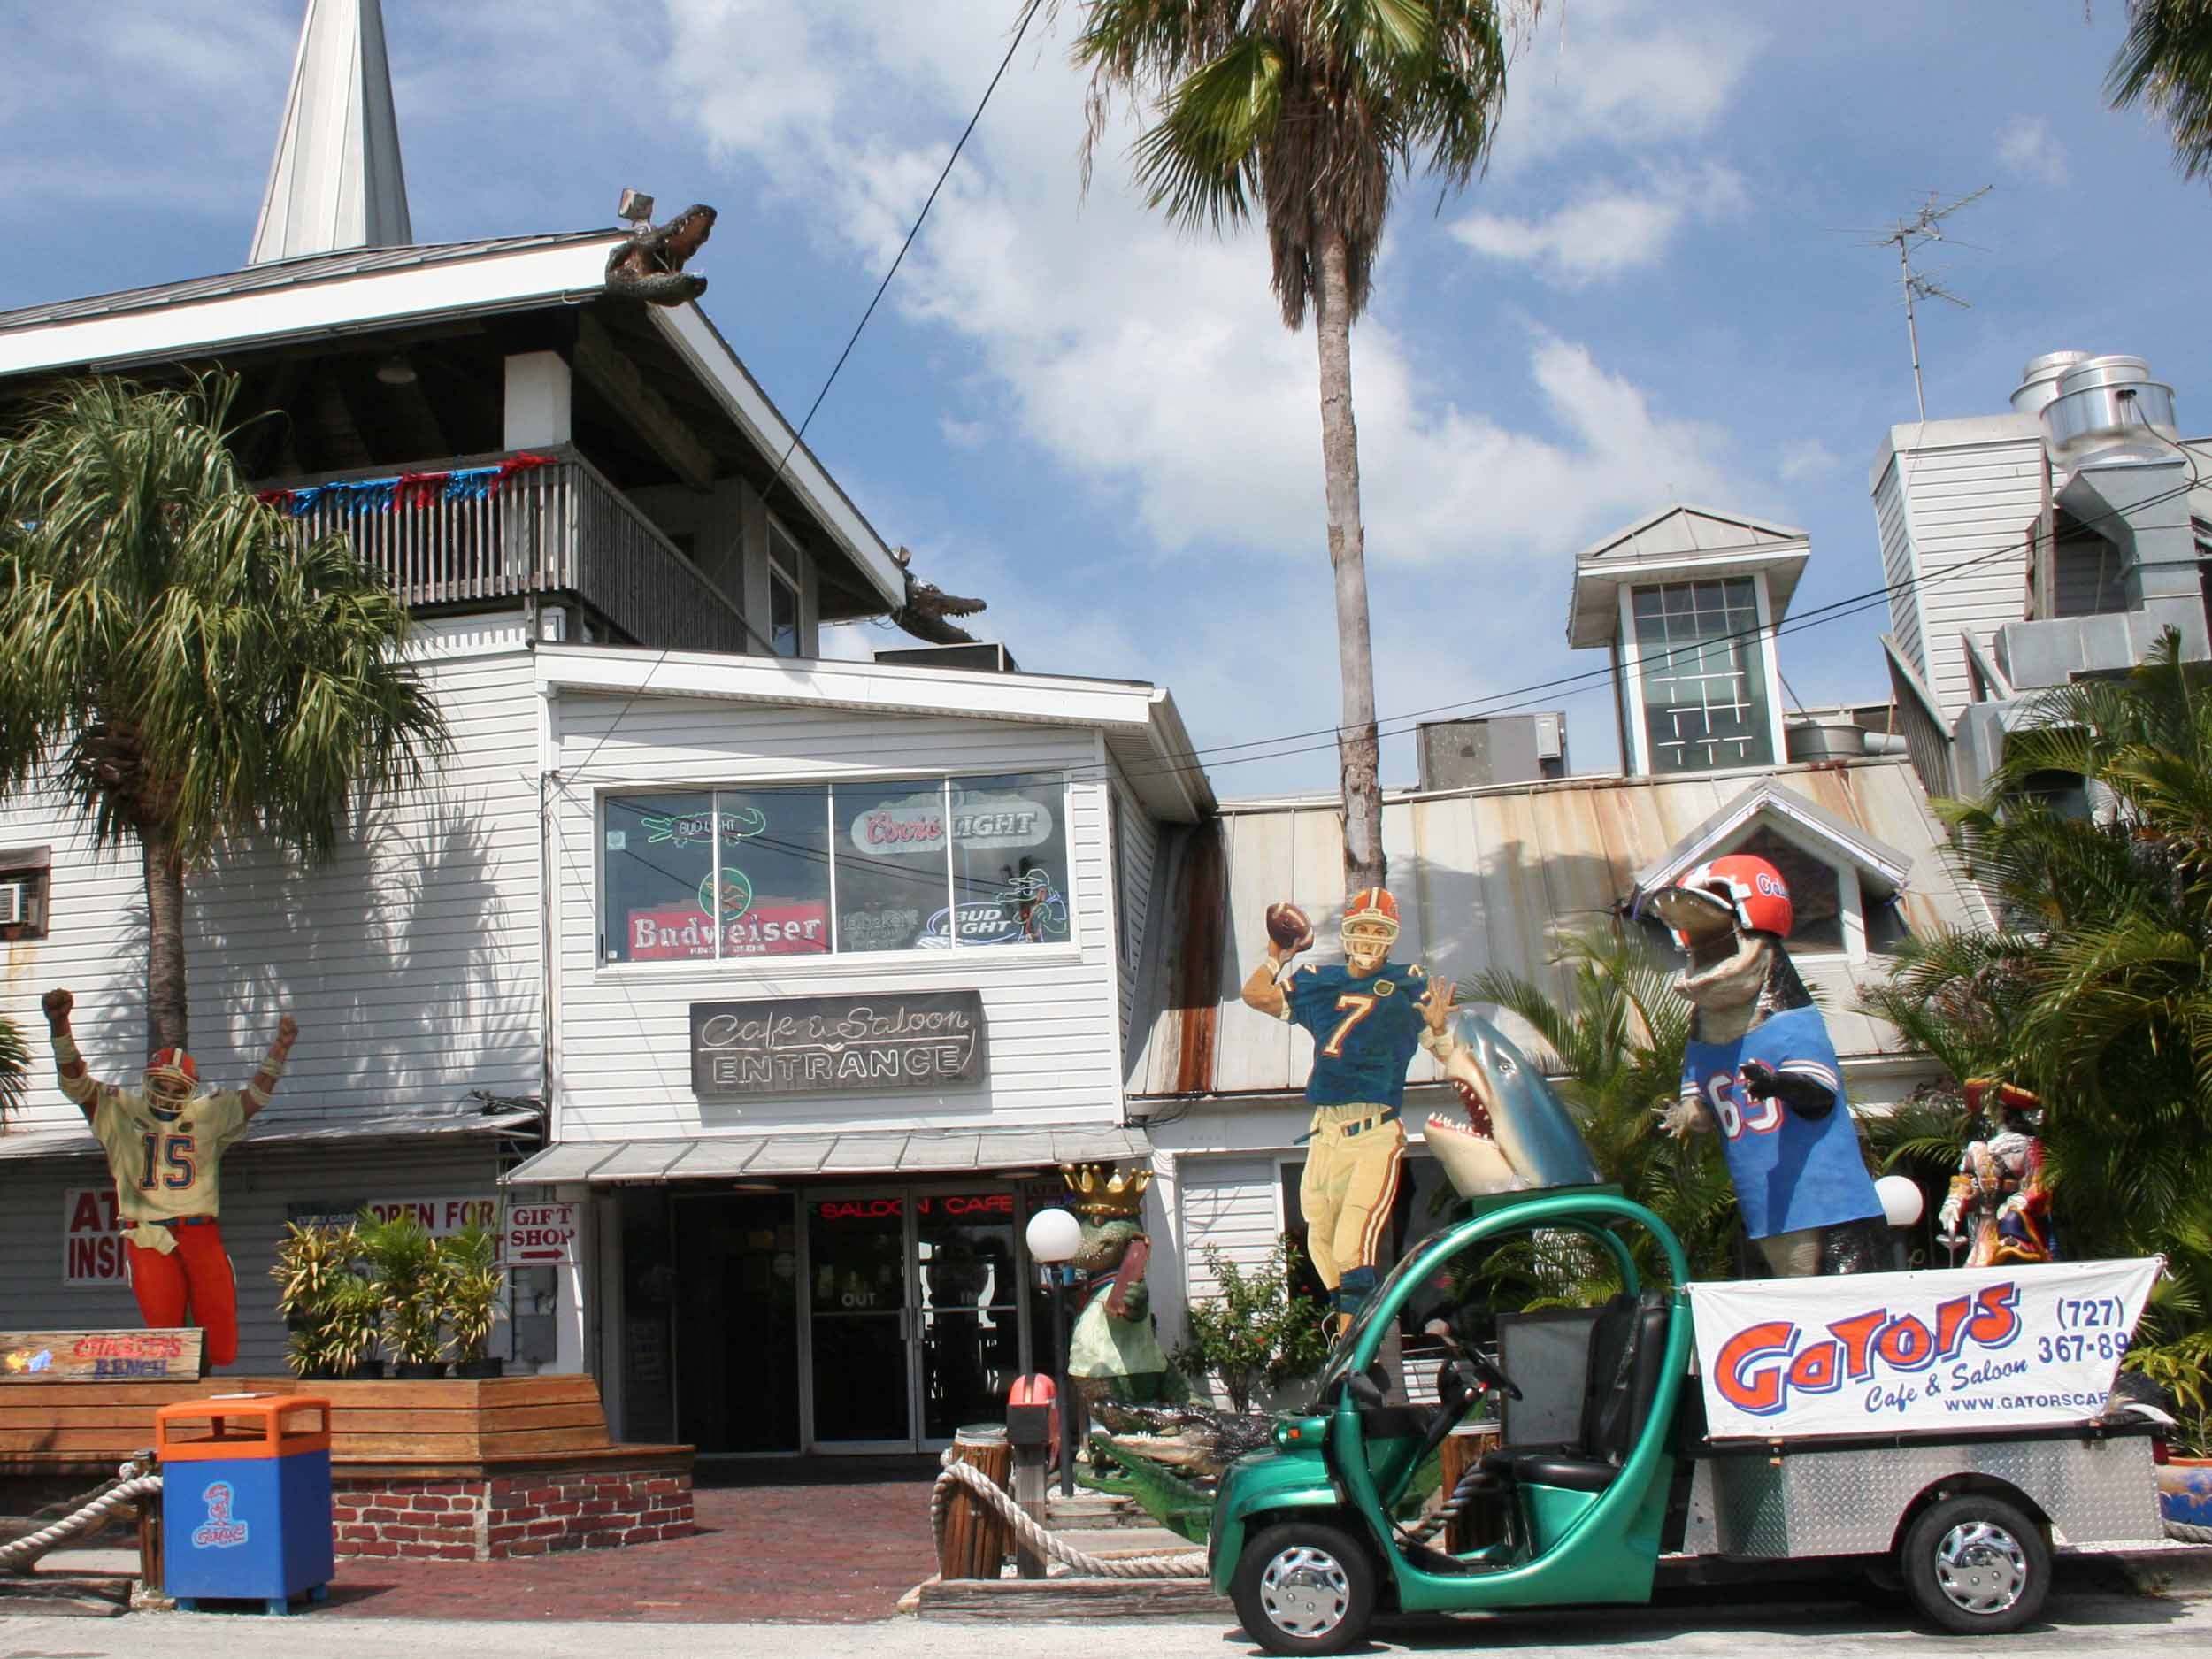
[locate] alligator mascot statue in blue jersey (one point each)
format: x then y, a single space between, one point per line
1760 1070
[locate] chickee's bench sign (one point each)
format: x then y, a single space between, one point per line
1955 1348
814 1045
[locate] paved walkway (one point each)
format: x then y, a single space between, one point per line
812 1552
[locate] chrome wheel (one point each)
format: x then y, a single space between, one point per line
1981 1568
1304 1592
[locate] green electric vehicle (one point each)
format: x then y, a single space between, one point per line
1309 1537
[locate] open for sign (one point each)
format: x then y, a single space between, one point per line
541 1235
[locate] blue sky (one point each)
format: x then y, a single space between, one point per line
1659 293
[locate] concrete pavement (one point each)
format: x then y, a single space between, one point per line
2117 1627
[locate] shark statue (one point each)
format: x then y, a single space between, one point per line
1516 1132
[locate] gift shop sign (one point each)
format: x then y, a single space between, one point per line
540 1235
1947 1350
808 1045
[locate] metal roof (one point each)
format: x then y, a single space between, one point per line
274 1128
1484 878
916 1152
285 274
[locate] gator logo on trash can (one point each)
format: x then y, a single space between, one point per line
219 1530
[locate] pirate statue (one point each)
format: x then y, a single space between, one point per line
1759 1069
164 1145
1997 1193
1114 1353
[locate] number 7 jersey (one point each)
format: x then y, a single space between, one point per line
167 1167
1365 1031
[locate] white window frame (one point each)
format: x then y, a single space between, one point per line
788 571
1638 762
831 963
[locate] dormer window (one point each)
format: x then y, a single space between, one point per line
1843 883
1686 601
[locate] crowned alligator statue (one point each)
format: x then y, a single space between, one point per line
1513 1131
649 266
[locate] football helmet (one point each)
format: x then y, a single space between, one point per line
1740 888
1369 926
171 1080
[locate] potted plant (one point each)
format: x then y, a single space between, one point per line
469 1283
329 1306
403 1258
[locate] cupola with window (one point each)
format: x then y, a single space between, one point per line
1687 601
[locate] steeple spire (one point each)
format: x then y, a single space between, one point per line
336 180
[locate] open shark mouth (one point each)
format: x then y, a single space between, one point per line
1477 1124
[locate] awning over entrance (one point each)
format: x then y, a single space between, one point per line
915 1152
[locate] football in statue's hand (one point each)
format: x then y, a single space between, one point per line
1287 926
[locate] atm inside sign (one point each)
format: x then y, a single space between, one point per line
541 1235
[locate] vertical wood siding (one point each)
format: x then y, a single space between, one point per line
410 960
623 1029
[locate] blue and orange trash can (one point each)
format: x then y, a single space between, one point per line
245 1499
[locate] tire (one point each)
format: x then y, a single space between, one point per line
1978 1565
1305 1588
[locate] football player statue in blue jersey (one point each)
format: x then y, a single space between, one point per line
1367 1017
1760 1068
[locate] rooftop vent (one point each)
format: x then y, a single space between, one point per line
2038 381
2109 409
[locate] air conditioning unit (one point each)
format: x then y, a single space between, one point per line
14 902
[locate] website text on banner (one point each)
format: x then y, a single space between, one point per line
1874 1353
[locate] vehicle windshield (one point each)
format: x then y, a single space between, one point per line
1420 1260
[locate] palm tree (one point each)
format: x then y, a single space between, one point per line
2096 988
176 662
1617 1037
1309 113
2166 64
15 1068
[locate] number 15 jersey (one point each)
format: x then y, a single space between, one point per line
1365 1031
166 1167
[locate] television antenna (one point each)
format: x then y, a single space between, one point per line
1911 235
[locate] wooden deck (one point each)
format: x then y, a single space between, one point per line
413 1427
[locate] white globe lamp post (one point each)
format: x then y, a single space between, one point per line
1054 1236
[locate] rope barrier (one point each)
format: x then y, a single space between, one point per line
19 1555
1191 1564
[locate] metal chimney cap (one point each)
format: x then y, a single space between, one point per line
2038 381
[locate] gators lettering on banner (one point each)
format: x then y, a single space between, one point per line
1950 1349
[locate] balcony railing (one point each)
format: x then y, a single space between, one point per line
558 530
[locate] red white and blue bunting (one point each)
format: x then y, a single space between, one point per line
403 489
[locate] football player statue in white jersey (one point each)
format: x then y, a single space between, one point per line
164 1144
1759 1069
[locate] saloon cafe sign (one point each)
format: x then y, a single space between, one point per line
813 1045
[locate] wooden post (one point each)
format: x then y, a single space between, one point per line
149 1571
1030 1482
1479 1523
976 1537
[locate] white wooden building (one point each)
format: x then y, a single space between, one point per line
659 802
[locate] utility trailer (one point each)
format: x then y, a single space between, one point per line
1949 1427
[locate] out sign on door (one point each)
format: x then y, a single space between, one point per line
541 1235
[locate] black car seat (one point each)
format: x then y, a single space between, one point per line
1628 1352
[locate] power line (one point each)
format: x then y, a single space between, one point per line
1029 13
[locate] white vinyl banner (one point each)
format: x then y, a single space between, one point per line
1949 1349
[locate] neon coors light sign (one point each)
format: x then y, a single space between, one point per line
814 1045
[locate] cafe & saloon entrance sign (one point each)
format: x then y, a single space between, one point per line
814 1045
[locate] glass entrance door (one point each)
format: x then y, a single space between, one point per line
857 1277
914 1308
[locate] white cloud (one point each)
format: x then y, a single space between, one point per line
1808 458
2026 147
1613 73
1611 230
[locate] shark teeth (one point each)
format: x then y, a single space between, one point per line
1477 1124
